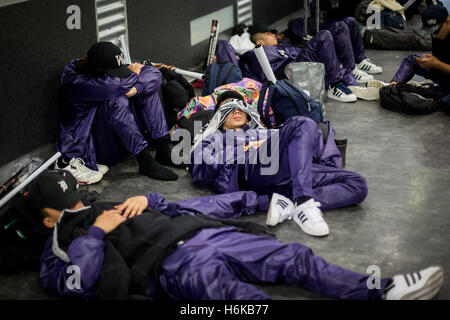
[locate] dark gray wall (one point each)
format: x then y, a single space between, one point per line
161 30
269 11
36 44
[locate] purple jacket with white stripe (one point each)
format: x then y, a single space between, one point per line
85 254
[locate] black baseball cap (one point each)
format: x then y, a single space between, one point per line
55 189
434 17
106 57
260 28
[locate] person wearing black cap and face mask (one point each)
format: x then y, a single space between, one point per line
434 66
109 111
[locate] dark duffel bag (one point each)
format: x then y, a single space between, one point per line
394 39
411 99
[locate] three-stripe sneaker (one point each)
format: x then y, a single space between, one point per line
281 209
422 285
342 93
361 77
369 67
310 219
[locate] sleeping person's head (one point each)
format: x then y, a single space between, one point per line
262 35
51 193
232 103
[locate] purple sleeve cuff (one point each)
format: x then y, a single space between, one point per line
139 87
97 233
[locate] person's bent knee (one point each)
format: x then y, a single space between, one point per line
351 21
341 28
361 190
325 35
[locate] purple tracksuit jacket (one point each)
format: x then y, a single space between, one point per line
307 166
100 124
216 263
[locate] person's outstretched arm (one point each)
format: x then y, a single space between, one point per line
224 206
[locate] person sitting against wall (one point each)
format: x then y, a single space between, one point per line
435 66
306 172
147 247
111 110
346 36
340 81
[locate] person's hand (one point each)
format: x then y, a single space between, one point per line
428 61
136 67
131 93
132 206
254 144
109 220
162 65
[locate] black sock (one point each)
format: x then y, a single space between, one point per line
163 152
152 169
302 199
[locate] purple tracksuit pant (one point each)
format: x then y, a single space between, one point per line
222 264
322 49
122 125
299 176
346 36
410 67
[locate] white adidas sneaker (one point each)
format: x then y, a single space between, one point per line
422 285
366 93
310 219
281 209
361 76
369 67
83 174
102 168
342 93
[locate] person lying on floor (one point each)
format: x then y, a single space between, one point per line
304 172
148 247
110 111
435 66
321 48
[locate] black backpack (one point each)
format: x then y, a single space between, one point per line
203 116
23 236
411 99
176 91
287 101
218 74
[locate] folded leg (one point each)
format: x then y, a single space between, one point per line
337 188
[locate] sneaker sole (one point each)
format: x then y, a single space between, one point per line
340 100
270 220
429 289
373 72
369 93
307 231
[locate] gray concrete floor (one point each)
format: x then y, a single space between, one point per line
402 226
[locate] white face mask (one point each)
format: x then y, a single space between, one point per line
221 115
